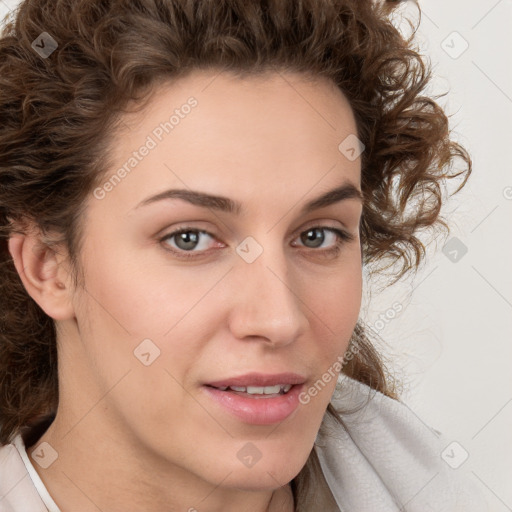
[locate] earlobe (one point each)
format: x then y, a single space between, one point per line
43 275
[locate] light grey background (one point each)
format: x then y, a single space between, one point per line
451 344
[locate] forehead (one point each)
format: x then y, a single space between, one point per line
209 130
230 108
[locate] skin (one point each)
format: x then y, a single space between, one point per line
131 437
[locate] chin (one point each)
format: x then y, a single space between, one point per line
257 482
264 476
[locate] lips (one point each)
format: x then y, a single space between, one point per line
257 398
255 409
259 380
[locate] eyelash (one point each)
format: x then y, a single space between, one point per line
342 238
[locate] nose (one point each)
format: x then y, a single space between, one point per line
267 303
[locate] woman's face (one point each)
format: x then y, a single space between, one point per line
252 288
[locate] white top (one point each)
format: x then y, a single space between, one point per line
21 488
384 460
387 459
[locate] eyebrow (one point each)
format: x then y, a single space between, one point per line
225 204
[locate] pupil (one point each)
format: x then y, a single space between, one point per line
187 240
312 234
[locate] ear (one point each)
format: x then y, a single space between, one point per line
44 273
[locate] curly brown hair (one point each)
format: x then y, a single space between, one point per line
60 114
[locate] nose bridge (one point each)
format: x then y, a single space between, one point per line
268 305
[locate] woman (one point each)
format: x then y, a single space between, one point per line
189 193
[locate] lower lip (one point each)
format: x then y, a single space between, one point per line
257 411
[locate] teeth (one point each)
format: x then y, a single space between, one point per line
260 390
267 390
270 390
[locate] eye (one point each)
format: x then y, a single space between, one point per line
315 237
187 240
190 243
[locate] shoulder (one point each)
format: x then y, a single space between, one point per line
384 457
17 491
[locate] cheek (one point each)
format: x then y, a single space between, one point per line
132 307
337 303
337 306
134 296
141 336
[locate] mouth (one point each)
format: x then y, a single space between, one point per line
259 380
269 400
256 392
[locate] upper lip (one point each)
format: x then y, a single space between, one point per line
259 379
